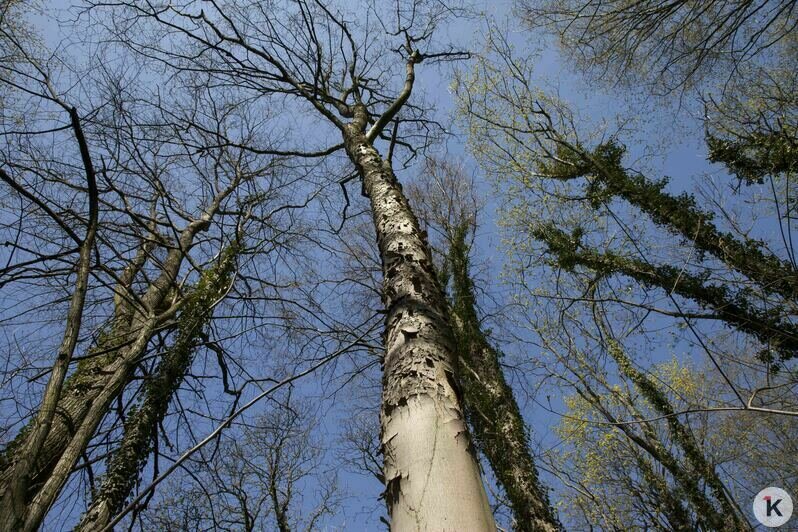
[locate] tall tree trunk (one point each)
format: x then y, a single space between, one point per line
74 402
13 496
432 476
119 373
76 398
491 408
125 465
89 391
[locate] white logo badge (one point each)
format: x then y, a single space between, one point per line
772 507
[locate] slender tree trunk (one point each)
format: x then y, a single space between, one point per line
119 375
76 397
280 507
735 308
129 458
690 484
491 408
432 476
670 502
681 434
88 393
13 495
75 401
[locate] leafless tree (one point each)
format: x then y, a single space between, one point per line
312 56
665 45
258 481
118 209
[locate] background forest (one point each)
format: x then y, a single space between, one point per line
418 265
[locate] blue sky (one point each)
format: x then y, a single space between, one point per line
682 158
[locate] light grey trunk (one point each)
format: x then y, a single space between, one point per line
432 476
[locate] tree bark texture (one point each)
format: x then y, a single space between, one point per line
87 394
125 465
433 480
499 429
78 397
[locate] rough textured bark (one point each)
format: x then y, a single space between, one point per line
12 499
81 387
74 402
129 458
499 429
77 396
120 373
432 476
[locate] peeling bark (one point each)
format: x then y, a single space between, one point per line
432 476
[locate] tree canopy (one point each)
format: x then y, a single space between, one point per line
297 264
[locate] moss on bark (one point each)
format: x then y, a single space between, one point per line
680 213
129 458
735 309
491 409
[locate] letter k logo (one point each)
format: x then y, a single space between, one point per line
772 506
